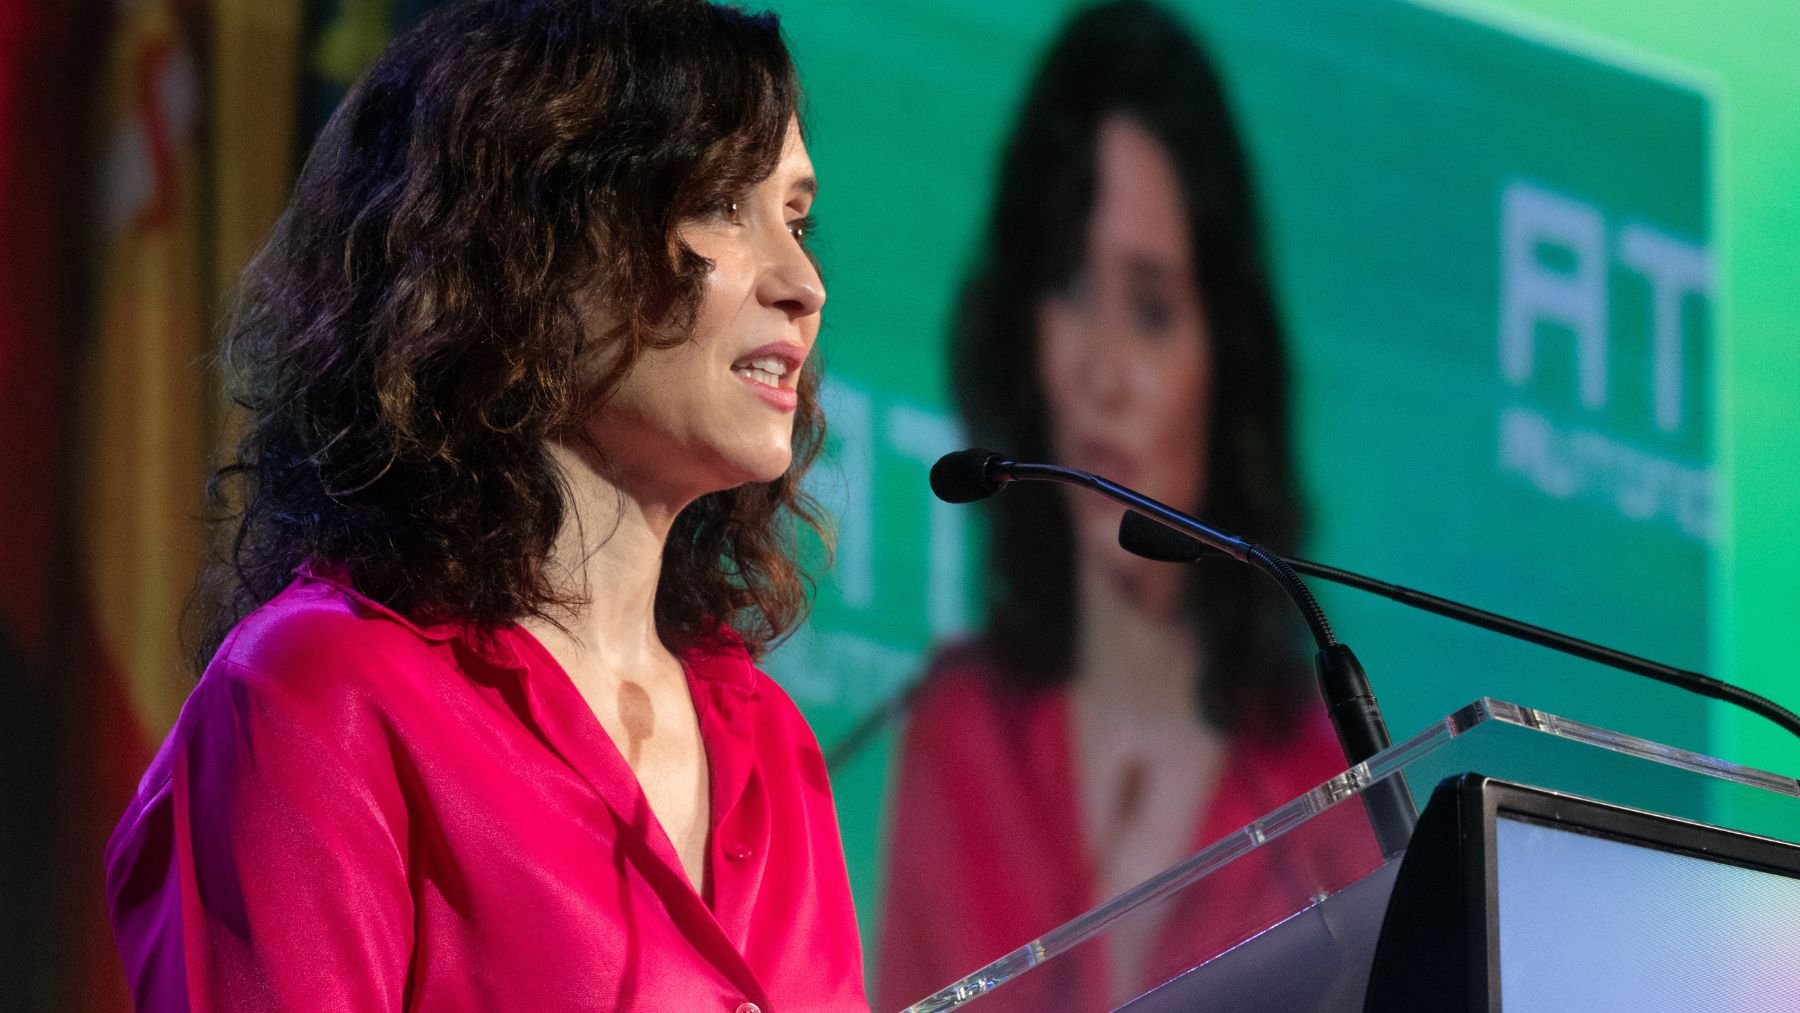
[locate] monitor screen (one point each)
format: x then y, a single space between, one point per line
1590 922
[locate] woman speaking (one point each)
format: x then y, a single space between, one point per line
528 388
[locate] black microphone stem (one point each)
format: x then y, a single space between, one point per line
1249 552
965 476
1139 535
1349 702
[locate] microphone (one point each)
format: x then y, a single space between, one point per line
1141 536
966 476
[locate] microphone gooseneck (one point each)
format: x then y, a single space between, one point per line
968 475
1141 536
965 476
1144 537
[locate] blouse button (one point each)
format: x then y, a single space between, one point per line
737 853
748 1007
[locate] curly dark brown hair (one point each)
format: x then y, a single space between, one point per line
419 326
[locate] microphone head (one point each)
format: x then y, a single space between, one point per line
964 476
1141 536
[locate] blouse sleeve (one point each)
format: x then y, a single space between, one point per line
261 866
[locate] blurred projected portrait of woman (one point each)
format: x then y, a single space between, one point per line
1115 714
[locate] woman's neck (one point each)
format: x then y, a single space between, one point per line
609 554
1137 658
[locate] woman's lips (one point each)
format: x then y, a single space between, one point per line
773 372
785 399
1103 458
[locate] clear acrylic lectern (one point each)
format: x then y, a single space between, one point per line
1322 882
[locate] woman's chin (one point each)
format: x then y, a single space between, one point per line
761 464
1097 526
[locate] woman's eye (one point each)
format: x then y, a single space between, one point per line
728 211
802 228
1079 286
1152 311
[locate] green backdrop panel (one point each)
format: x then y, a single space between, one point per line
1493 253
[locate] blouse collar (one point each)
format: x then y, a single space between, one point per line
337 576
717 655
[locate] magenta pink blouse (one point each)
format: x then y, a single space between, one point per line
1011 860
358 813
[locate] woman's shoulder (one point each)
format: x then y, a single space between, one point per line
300 695
970 716
323 645
967 676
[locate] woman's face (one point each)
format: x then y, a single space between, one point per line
1124 356
717 410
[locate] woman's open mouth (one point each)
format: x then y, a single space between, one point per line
773 373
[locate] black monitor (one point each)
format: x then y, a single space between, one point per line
1521 900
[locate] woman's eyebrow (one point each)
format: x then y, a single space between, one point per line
808 185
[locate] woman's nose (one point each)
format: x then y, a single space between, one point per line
791 280
1107 345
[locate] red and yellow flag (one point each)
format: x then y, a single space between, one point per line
195 161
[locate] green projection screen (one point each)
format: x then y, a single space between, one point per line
1492 254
